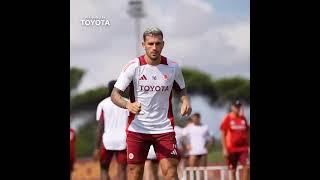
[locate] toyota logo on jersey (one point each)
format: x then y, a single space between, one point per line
154 88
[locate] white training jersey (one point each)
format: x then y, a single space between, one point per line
179 135
186 139
151 154
151 86
115 123
197 135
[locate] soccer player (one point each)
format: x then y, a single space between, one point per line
235 133
72 149
199 139
111 136
151 79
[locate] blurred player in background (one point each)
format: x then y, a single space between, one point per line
181 149
72 149
186 143
151 166
151 78
235 133
111 136
199 141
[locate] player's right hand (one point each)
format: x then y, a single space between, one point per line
134 107
96 154
225 152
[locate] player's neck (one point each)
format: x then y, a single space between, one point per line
152 62
235 114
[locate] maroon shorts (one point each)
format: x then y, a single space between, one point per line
138 145
106 157
237 157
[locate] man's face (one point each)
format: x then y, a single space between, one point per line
195 120
235 109
153 46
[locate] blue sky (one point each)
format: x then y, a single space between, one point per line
232 8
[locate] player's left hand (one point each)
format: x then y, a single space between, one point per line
186 108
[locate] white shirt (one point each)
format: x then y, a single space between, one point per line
151 86
115 123
179 135
197 136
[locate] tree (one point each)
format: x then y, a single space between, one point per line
88 100
231 88
76 75
198 82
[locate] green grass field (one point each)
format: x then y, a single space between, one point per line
215 155
86 139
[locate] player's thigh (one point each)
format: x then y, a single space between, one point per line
137 148
165 146
147 166
155 165
244 158
122 157
203 160
105 158
232 160
193 160
186 160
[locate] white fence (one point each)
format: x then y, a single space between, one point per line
223 172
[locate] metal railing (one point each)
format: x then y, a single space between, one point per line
223 171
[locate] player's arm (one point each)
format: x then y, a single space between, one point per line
223 142
99 133
179 87
185 106
223 129
119 100
248 129
125 78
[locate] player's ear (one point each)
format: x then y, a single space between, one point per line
143 44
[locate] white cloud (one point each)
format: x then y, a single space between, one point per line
238 36
194 36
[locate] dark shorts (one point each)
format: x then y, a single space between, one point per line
199 155
106 157
237 157
138 145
